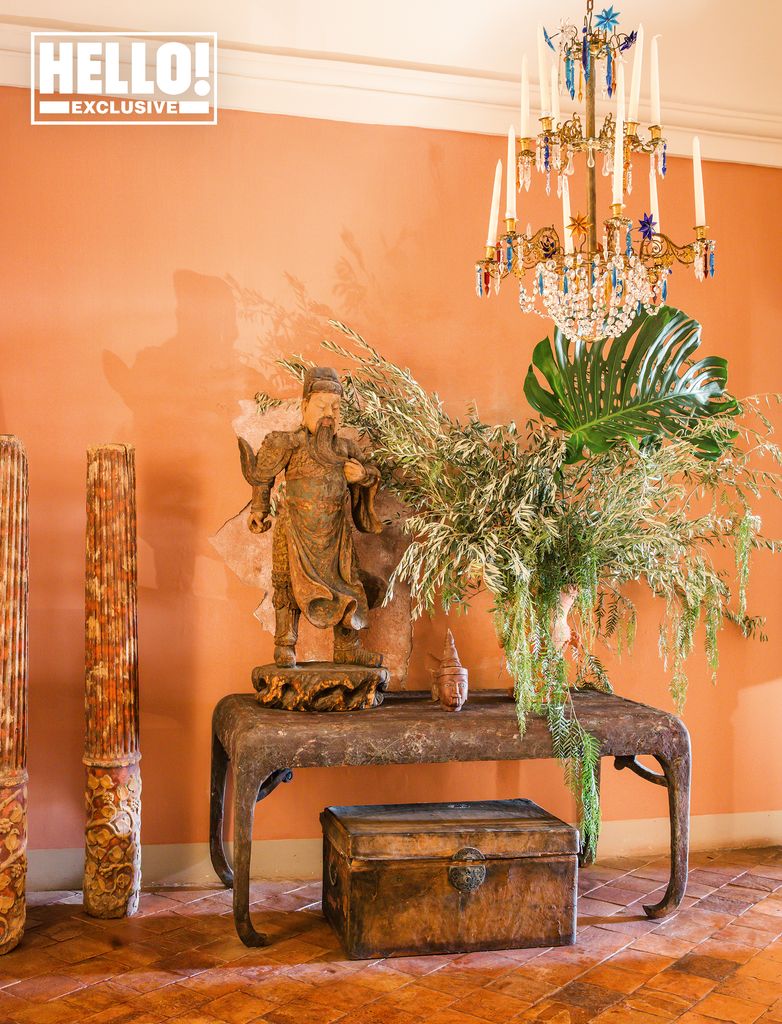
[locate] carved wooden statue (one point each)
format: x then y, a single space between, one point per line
112 870
13 695
329 489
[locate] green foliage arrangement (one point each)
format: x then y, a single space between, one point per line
640 469
639 385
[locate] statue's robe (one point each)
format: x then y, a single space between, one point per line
316 517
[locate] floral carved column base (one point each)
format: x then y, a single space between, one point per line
112 869
13 857
14 547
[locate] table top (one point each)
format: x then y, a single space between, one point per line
408 728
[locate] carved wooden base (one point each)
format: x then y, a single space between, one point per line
112 869
320 686
13 858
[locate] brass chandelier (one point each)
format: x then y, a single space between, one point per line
591 287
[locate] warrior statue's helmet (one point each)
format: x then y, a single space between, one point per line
321 378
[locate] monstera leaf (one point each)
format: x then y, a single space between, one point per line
637 386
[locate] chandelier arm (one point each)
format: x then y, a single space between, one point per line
662 251
543 245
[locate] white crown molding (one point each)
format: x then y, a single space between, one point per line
346 89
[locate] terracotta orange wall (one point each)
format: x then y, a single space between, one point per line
118 324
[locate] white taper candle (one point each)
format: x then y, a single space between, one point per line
619 148
654 207
545 99
635 84
491 234
554 93
654 58
510 181
697 181
566 217
524 123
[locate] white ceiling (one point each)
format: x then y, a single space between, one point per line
719 60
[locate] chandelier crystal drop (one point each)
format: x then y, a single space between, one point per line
591 289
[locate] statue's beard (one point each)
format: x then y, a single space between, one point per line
322 443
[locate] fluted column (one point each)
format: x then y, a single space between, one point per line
13 693
112 870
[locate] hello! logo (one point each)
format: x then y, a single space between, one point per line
117 78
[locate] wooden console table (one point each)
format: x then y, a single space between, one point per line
264 746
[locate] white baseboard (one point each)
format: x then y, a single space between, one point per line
640 836
189 864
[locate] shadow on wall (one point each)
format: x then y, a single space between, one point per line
171 391
275 329
179 394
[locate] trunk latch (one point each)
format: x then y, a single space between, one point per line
467 871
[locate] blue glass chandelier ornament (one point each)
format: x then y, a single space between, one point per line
607 20
628 41
570 78
647 225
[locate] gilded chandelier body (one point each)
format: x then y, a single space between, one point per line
592 287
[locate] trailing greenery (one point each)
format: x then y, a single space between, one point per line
528 515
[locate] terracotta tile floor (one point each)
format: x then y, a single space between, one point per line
718 959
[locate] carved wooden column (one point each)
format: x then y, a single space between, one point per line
112 870
13 689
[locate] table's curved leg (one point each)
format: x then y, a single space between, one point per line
246 787
676 770
585 856
220 764
676 778
216 813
